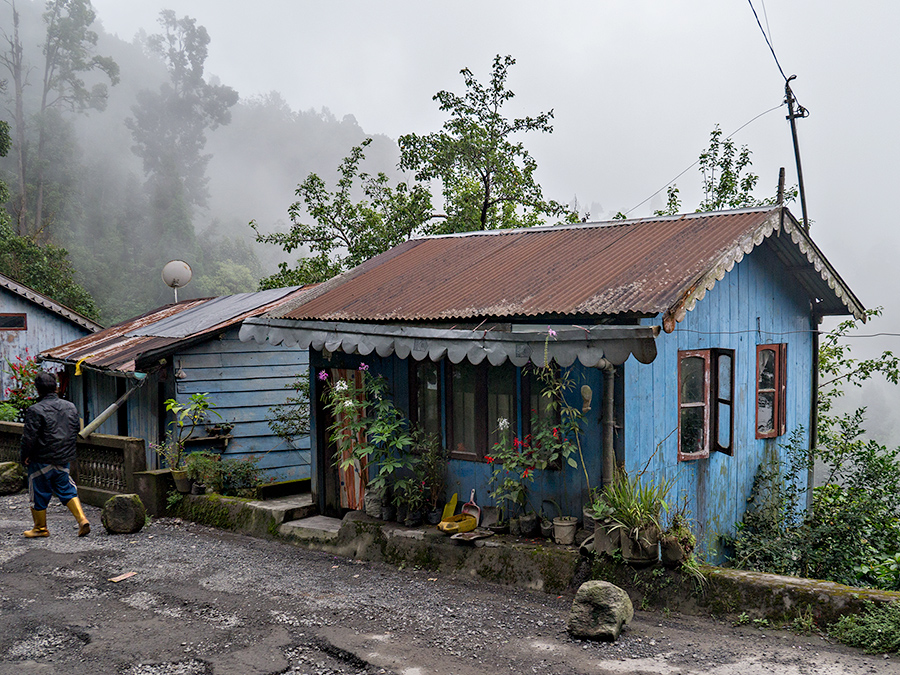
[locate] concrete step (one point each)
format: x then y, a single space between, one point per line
313 528
284 509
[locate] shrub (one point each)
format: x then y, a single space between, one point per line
876 630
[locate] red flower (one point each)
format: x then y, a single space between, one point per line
526 473
516 443
555 432
489 460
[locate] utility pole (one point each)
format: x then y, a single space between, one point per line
793 114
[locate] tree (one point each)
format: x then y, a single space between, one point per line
728 182
68 54
346 233
169 126
487 178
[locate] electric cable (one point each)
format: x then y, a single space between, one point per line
771 48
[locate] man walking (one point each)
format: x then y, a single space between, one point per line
48 445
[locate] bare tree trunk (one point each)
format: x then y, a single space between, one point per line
14 62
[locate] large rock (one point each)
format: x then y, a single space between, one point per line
600 611
123 514
12 478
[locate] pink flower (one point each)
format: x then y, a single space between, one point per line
363 367
323 375
551 332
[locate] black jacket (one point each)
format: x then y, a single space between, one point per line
51 429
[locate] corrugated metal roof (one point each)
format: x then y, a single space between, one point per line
45 302
645 266
163 330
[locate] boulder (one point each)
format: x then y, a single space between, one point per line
599 612
12 478
123 514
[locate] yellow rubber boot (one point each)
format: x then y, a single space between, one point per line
40 525
84 527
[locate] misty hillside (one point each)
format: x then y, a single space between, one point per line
121 223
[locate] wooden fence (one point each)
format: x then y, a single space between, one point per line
105 465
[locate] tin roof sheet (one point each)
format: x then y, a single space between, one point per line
643 266
163 330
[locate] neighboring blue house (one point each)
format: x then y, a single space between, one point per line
30 322
720 311
187 348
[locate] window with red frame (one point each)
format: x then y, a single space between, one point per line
771 386
705 403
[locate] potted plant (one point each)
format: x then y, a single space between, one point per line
606 534
431 457
204 471
187 417
677 542
637 507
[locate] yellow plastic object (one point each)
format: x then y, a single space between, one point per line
450 508
456 524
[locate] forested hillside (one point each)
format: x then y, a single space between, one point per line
132 154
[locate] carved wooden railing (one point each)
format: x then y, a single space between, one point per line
105 465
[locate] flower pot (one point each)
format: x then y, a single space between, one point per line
643 550
528 523
515 527
564 530
606 538
413 519
587 519
402 511
500 527
372 503
433 517
388 512
182 484
198 488
546 528
672 553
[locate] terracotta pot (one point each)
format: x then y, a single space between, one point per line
672 552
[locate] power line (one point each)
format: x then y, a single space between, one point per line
762 30
696 162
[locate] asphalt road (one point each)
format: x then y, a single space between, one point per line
208 602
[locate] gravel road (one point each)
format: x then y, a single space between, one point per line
206 602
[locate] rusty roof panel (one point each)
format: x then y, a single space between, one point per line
642 266
118 347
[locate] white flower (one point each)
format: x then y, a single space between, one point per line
340 385
502 424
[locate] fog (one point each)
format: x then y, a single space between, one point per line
636 87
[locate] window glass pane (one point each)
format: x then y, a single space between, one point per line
692 384
12 321
692 438
429 397
464 407
725 369
765 408
723 410
539 405
765 364
501 393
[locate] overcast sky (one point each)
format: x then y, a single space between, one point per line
636 86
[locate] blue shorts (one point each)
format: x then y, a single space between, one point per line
46 480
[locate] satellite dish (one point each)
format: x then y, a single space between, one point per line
176 274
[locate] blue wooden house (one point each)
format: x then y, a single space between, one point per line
187 348
693 340
30 322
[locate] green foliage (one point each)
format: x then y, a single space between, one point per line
187 417
551 445
876 630
290 420
487 178
368 427
46 269
21 392
634 504
346 232
852 531
8 412
225 476
728 182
